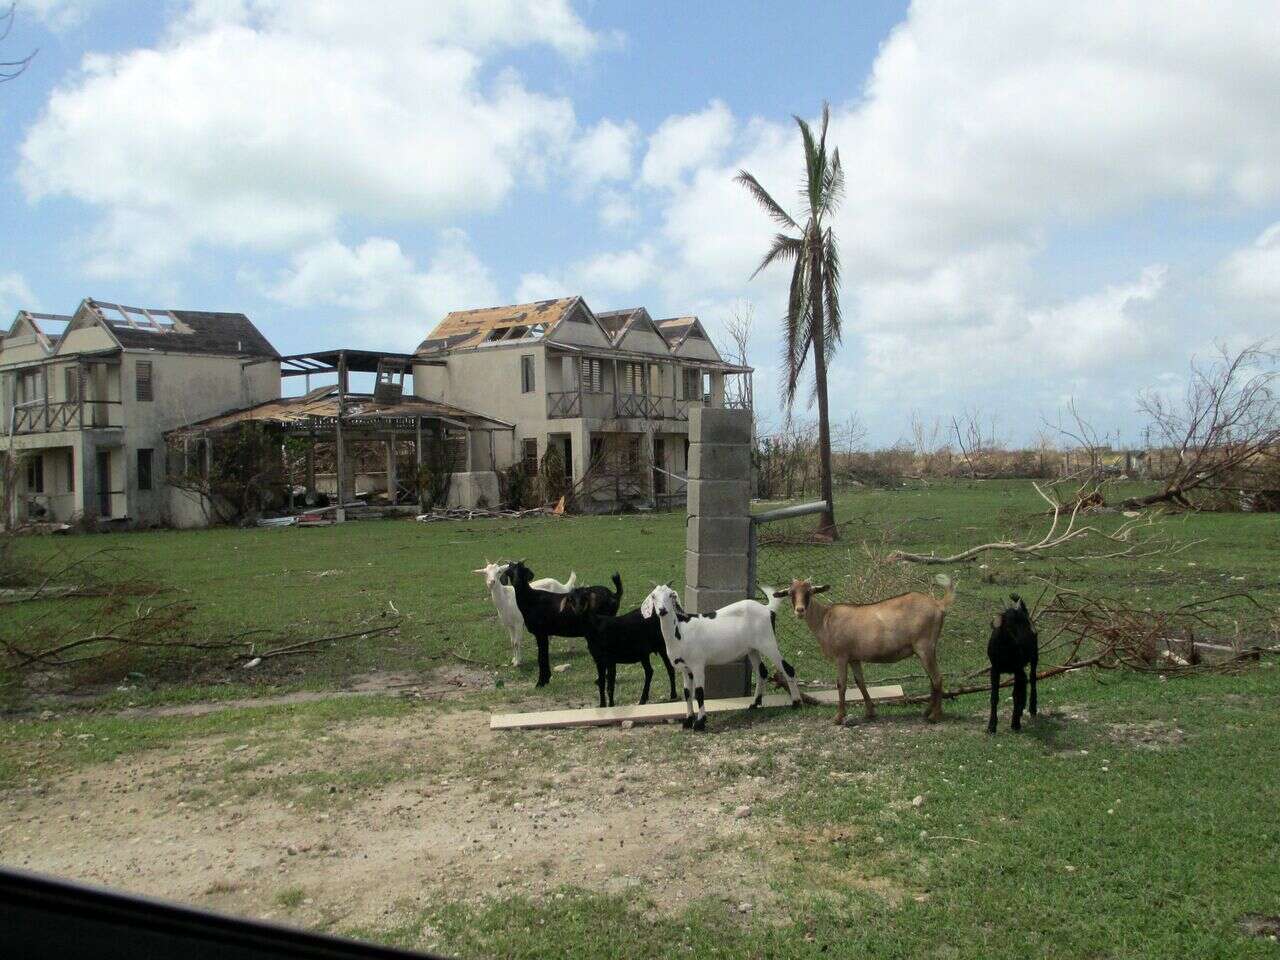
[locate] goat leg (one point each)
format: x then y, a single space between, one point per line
544 661
995 699
1034 663
869 707
687 677
648 679
1019 696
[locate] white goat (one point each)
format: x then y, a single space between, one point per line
695 642
552 585
504 600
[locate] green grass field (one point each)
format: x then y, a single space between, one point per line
1135 817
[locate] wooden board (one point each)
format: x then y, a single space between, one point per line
658 712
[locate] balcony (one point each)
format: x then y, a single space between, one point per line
600 405
40 417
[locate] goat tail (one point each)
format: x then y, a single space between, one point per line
949 594
617 586
774 603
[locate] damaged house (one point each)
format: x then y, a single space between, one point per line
86 401
609 392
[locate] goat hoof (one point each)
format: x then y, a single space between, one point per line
795 704
700 723
991 728
687 722
753 704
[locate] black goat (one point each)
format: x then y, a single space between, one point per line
629 638
1014 646
548 615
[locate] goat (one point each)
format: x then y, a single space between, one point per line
1014 645
552 585
504 599
548 615
850 634
629 638
695 642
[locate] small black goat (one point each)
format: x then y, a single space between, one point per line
548 615
1014 646
629 638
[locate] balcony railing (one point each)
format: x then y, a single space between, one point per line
563 404
39 417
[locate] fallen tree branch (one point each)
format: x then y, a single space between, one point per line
1055 538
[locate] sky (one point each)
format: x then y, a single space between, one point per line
1045 203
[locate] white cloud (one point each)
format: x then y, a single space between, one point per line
15 295
603 153
60 14
1253 273
264 123
686 142
617 210
984 132
387 300
608 280
475 25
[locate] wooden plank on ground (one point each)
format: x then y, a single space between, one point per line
658 712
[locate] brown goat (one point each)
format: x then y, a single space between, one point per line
851 634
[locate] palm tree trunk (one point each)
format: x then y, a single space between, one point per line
827 521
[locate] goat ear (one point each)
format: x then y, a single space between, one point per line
996 622
1022 605
646 608
822 589
781 593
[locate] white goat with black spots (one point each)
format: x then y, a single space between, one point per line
697 641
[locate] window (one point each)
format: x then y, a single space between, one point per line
529 454
455 446
597 449
145 388
73 384
633 453
592 375
144 469
71 471
526 374
692 379
35 474
30 386
633 377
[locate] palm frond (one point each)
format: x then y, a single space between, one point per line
831 292
797 328
784 248
761 195
833 185
814 161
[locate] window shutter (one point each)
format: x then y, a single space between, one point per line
145 386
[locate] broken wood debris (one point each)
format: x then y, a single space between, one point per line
482 513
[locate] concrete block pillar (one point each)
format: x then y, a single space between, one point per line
718 534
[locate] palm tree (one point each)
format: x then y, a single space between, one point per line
812 320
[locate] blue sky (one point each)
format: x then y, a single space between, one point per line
1039 208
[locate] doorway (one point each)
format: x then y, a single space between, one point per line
659 465
104 483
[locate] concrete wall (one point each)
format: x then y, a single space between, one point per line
718 532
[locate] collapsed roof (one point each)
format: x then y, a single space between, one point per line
520 321
319 408
182 331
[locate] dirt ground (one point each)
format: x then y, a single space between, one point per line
356 827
